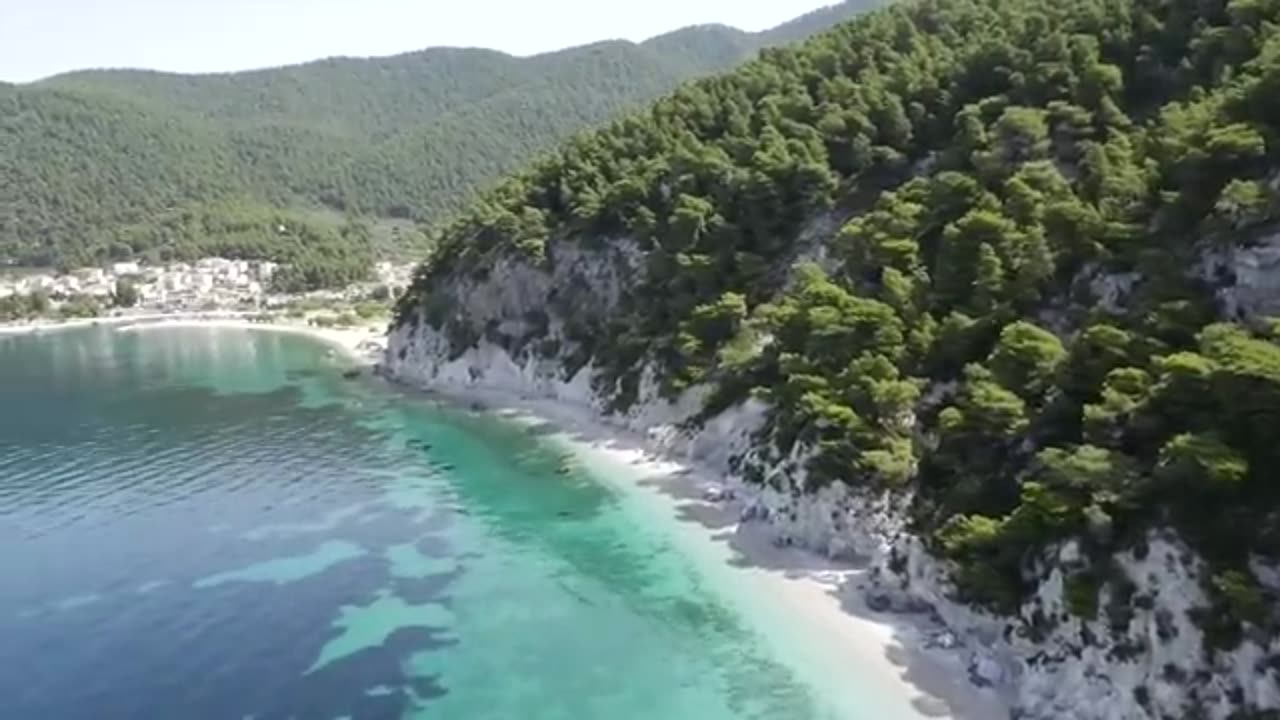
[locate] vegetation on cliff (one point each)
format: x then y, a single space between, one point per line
1013 313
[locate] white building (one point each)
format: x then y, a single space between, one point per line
33 283
152 294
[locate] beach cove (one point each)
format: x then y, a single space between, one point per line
551 520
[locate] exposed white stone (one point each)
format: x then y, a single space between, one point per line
1111 290
1247 277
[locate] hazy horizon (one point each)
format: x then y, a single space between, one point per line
58 36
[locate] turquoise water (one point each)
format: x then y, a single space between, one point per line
213 524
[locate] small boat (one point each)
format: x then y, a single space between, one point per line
351 374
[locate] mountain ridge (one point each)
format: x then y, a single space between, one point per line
785 32
407 137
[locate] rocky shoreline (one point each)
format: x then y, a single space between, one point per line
1044 660
949 677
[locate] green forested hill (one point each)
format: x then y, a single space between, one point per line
86 154
987 166
341 95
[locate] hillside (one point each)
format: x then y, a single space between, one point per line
979 291
405 137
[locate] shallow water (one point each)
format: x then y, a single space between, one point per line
213 524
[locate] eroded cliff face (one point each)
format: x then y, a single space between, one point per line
1141 656
1247 276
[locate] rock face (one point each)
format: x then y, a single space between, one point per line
1140 657
1248 277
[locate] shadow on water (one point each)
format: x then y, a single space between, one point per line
263 630
169 536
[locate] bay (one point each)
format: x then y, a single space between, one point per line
204 523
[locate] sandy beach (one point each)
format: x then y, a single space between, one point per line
827 622
360 344
39 326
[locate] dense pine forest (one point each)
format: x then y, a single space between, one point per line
974 250
98 164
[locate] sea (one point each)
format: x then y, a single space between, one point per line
216 524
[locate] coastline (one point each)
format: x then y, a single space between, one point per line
33 327
362 345
828 622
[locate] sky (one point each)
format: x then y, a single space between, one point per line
39 38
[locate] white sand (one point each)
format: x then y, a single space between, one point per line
359 344
878 661
35 326
124 318
354 342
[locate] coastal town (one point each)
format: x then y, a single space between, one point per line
206 285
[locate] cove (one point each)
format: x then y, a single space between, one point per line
217 525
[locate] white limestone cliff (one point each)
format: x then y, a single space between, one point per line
1054 665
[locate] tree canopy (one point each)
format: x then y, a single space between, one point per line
982 163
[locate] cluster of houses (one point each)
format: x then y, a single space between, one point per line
204 284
